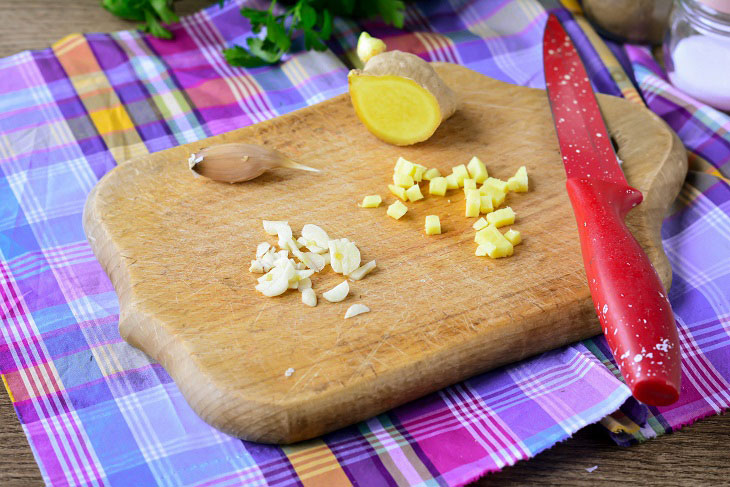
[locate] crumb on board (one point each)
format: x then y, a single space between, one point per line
289 372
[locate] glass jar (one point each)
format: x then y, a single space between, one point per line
697 50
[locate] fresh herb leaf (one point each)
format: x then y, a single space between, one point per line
325 25
238 56
151 12
313 18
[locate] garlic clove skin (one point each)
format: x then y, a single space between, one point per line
237 162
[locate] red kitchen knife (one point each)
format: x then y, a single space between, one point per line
631 303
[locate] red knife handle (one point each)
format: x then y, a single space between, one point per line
630 301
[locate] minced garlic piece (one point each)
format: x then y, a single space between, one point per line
276 281
273 227
256 267
362 271
356 309
477 170
397 210
262 248
437 186
518 183
479 224
337 293
344 256
414 193
514 236
398 191
473 203
433 225
502 217
371 201
431 174
315 238
309 297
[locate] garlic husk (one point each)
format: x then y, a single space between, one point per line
237 162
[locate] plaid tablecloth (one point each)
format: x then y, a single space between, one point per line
98 412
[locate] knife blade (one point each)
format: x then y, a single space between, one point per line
629 299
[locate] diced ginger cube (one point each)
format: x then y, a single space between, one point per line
418 172
431 174
502 217
514 236
481 251
452 182
414 193
496 245
403 180
518 183
486 205
371 201
473 202
461 174
433 225
497 184
403 166
477 170
437 186
479 224
398 191
469 184
397 210
494 194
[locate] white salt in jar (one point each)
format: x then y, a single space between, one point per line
697 50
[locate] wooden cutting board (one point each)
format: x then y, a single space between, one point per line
177 249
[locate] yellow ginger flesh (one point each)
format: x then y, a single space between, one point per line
400 98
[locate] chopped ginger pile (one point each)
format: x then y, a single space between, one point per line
486 199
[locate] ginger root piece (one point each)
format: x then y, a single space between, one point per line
400 98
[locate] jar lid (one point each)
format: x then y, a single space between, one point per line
719 5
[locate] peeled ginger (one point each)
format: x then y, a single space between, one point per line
400 98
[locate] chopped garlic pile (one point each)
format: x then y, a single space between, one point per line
486 199
282 271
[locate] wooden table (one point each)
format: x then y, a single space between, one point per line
696 455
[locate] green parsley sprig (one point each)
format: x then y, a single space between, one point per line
312 17
151 12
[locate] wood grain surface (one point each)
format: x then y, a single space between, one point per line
695 455
176 248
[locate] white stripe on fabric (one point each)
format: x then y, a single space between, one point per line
191 25
477 434
23 328
246 82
